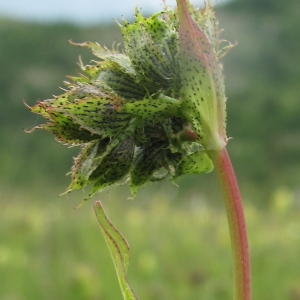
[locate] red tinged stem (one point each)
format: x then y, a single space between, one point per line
237 224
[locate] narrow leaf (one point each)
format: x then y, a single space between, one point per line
119 250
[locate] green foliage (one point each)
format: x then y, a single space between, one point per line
118 248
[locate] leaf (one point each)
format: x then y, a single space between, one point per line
62 126
119 250
66 131
153 109
98 115
195 163
202 82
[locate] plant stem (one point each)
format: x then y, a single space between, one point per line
237 224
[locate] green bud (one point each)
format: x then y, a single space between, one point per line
115 71
152 47
87 162
87 109
114 166
147 164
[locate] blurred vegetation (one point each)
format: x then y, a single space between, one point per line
48 251
262 83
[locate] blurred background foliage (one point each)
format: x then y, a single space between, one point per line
178 236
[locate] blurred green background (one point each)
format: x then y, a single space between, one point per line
179 240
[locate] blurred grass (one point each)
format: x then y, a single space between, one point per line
49 250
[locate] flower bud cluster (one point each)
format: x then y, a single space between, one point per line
148 112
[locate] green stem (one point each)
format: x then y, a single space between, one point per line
237 224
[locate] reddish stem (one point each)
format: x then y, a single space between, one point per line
237 224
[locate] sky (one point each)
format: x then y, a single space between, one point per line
84 12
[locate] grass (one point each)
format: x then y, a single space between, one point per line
48 250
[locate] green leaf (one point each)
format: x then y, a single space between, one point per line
69 133
195 163
98 115
202 82
119 250
62 126
153 109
